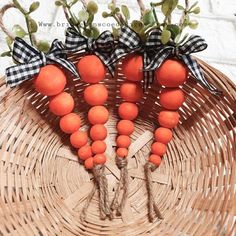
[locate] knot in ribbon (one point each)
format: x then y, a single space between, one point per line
101 47
31 60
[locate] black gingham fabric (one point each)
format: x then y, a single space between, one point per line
192 45
130 42
102 47
31 60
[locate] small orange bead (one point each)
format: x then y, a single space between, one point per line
163 135
123 141
122 152
78 139
98 115
98 132
85 152
89 163
168 119
158 149
99 147
99 159
125 127
70 123
155 159
61 104
128 111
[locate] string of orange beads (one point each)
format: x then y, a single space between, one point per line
51 82
171 74
92 71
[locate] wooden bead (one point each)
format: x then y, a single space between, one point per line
70 123
128 111
125 127
98 132
163 135
99 147
85 152
123 141
168 119
155 159
122 152
99 159
89 164
79 139
158 149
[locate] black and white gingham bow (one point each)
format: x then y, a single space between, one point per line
101 47
31 60
193 44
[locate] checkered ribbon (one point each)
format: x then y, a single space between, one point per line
101 47
130 42
31 60
192 45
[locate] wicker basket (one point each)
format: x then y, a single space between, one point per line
44 187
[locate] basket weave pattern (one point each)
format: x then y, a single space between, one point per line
44 187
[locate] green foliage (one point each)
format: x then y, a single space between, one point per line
148 17
43 46
165 36
92 7
34 6
168 6
18 31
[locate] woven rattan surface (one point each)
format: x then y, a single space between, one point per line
43 187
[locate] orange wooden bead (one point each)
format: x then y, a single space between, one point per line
91 69
128 111
122 152
50 81
98 132
172 73
123 141
163 135
132 67
98 115
172 98
61 104
99 159
85 152
79 139
96 94
131 92
168 119
125 127
89 164
158 149
155 159
99 147
70 123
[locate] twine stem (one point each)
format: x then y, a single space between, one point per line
153 210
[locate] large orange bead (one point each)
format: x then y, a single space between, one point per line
171 98
98 115
131 92
155 159
61 104
85 152
172 73
99 147
50 81
70 123
91 69
125 127
158 149
132 67
96 94
122 152
123 141
168 119
89 164
128 111
99 159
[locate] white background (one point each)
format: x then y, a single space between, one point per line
217 24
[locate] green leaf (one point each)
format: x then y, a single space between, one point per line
83 15
33 27
95 32
105 14
87 33
180 7
18 31
73 2
174 29
9 41
92 7
194 5
196 10
137 25
90 19
17 5
6 54
148 17
193 24
43 46
34 6
165 36
153 4
111 6
59 3
168 6
125 11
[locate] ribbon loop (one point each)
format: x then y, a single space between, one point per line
31 60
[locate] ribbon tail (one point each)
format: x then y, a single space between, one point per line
197 73
18 74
